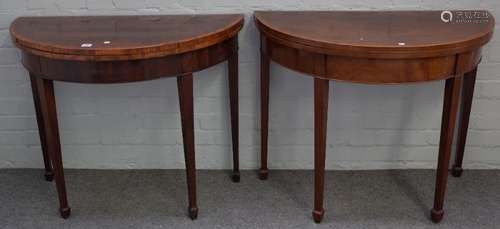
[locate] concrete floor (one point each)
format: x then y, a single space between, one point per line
158 199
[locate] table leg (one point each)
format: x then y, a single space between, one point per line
233 100
467 94
264 113
450 107
185 87
320 121
47 106
49 175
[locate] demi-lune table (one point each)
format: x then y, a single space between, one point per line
120 49
376 48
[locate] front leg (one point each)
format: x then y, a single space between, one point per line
450 107
45 91
264 113
49 174
233 100
320 120
467 94
185 87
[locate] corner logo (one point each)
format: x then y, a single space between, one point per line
465 16
446 16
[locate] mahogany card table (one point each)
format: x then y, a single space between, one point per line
376 48
120 49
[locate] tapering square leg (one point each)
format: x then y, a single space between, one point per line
47 107
233 100
49 175
450 107
320 126
185 88
467 94
264 113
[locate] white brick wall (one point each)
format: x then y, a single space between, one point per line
137 125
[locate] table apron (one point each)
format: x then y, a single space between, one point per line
122 71
370 70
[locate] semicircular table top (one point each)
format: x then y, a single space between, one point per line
121 37
381 34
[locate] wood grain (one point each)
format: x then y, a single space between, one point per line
129 37
122 71
376 34
369 70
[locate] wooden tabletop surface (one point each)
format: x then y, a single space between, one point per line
381 34
121 37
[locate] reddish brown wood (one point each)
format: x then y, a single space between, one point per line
450 108
185 87
264 113
130 37
128 71
142 48
373 48
45 94
374 34
233 100
320 122
49 175
467 94
370 70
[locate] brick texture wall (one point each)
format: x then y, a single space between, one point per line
137 125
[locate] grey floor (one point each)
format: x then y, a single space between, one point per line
157 199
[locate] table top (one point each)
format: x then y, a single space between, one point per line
379 34
121 37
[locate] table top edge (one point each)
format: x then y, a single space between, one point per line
161 49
